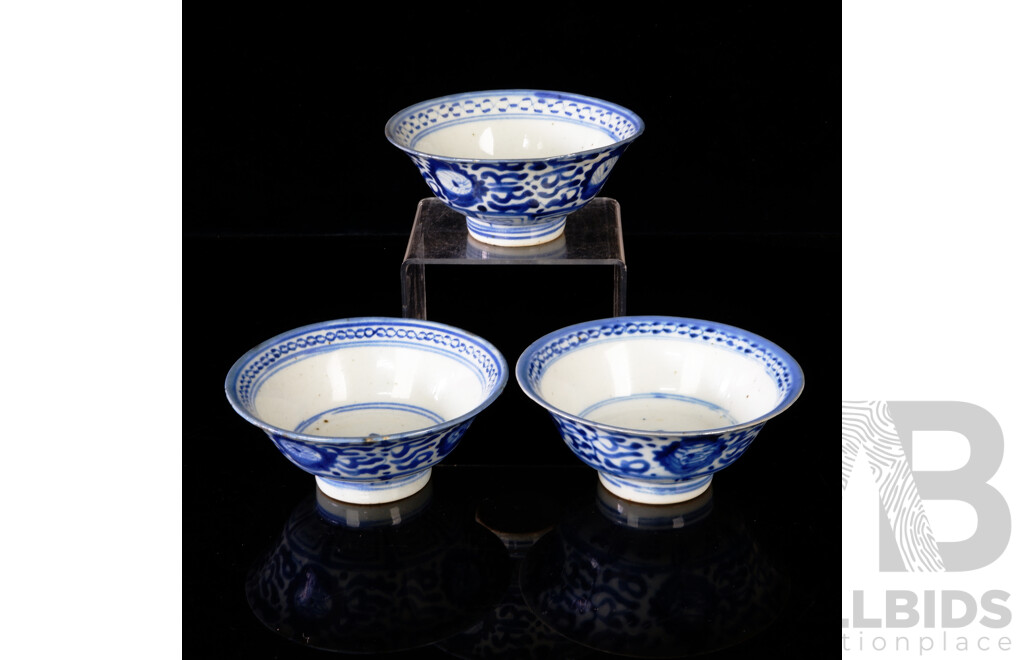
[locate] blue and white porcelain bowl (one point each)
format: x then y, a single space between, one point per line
658 404
367 405
515 162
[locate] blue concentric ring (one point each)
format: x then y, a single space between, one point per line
430 336
539 356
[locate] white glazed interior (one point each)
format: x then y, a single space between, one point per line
357 391
512 138
659 384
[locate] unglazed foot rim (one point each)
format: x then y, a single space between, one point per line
648 493
373 492
518 235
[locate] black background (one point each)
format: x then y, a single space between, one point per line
298 211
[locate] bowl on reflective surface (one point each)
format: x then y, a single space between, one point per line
658 404
367 405
515 162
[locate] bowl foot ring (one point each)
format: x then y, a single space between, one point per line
647 492
373 492
507 235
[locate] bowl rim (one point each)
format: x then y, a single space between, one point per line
522 366
390 439
398 116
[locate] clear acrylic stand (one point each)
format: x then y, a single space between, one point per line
592 237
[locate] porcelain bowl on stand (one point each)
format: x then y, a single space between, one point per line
515 162
367 405
657 404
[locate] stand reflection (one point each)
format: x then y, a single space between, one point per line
511 630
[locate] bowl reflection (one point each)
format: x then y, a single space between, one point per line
339 580
681 583
654 516
366 516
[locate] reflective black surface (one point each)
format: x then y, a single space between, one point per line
618 577
413 576
529 560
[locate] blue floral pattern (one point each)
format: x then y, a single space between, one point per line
705 454
516 194
654 456
378 460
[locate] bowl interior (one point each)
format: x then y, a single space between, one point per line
669 383
371 385
360 391
511 125
512 138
